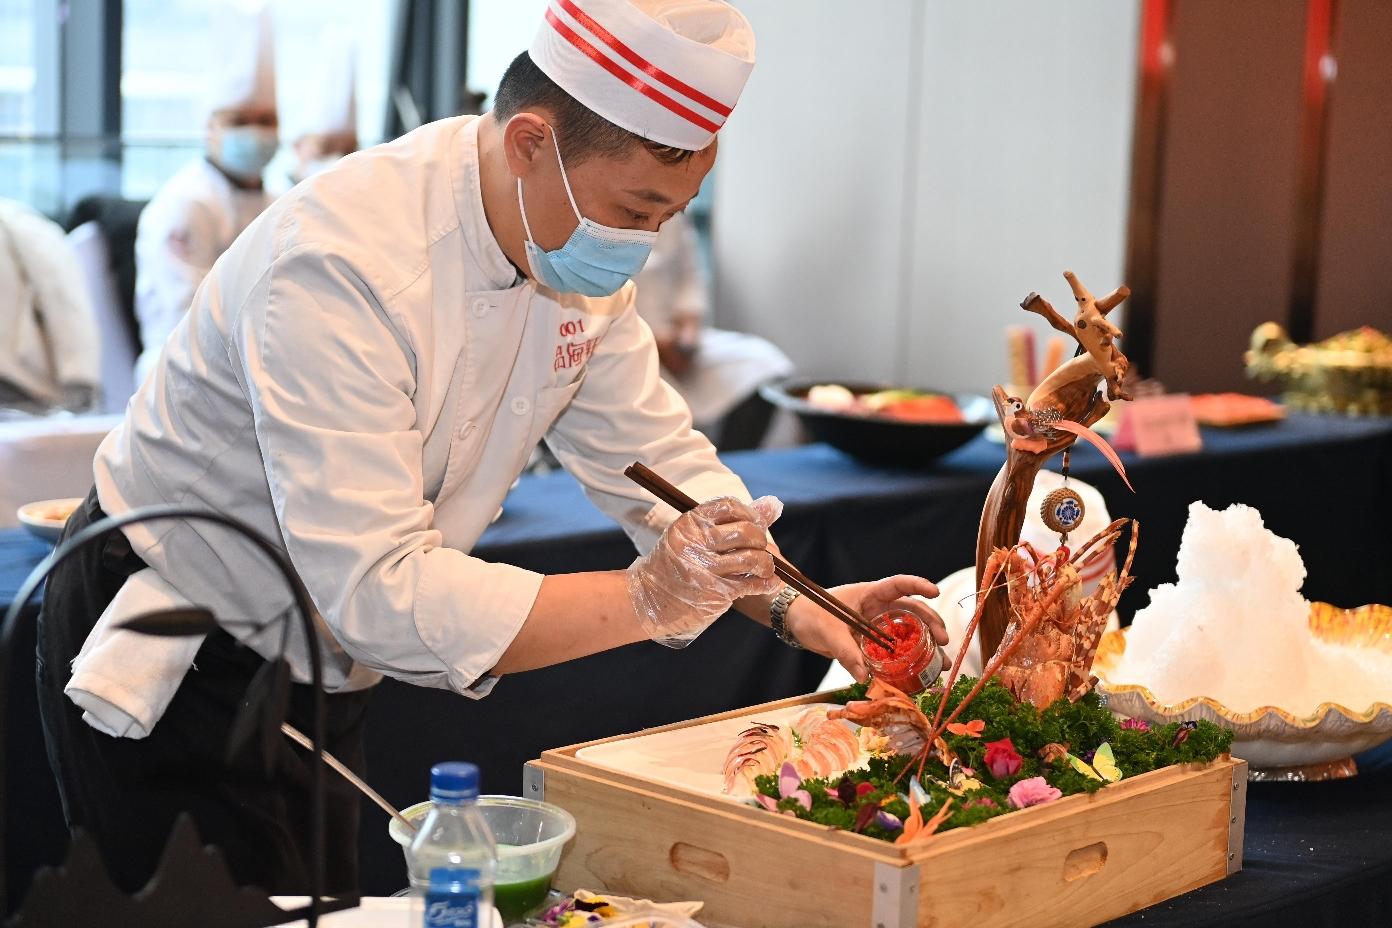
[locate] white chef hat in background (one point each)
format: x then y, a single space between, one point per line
330 104
242 56
669 71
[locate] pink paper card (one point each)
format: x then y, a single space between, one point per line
1163 425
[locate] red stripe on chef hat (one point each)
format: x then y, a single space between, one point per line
666 70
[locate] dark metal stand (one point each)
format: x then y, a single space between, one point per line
192 885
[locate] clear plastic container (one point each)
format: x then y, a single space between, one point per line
529 836
452 859
915 662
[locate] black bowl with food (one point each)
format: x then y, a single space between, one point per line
879 424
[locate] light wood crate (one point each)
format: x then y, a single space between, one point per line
1078 861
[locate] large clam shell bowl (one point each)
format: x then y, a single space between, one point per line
1277 744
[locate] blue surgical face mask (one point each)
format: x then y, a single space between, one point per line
596 260
246 150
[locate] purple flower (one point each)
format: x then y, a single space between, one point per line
1135 725
887 821
1032 792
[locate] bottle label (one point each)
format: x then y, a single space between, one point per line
933 669
452 900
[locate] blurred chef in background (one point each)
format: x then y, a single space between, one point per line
717 372
49 356
202 209
327 130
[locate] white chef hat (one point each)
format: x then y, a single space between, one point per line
669 71
331 104
243 56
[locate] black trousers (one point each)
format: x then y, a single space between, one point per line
126 793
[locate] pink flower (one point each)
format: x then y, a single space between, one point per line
788 783
1135 724
1002 759
1032 792
985 801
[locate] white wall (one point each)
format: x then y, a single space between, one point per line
898 175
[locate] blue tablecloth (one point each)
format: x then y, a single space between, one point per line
1322 481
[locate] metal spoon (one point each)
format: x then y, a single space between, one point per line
303 741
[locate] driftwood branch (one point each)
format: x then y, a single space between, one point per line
1071 392
1034 303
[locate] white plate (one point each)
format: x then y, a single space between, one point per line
691 758
34 516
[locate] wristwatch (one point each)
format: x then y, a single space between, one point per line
778 616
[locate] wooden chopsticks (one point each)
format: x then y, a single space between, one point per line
649 480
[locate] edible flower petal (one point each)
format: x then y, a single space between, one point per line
1002 759
1135 725
864 789
788 783
1183 732
846 791
918 796
1032 792
972 729
865 816
887 821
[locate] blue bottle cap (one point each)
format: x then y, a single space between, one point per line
454 782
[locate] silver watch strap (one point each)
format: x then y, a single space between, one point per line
778 616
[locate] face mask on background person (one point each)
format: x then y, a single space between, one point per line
318 165
246 150
596 260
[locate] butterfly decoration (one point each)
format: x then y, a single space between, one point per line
972 729
960 780
1183 732
1103 766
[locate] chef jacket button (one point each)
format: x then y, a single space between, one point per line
480 307
521 406
465 429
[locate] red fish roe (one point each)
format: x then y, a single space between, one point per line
913 663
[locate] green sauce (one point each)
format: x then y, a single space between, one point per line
515 900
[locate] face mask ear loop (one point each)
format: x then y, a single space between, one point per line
522 209
556 142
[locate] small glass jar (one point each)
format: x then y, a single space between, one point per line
915 662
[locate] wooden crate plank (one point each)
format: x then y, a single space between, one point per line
646 844
1112 856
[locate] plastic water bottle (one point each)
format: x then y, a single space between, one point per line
452 859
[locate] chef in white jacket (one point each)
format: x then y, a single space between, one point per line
363 375
326 127
202 209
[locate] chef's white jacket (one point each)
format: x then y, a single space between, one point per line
361 377
193 219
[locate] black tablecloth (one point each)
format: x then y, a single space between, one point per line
1321 481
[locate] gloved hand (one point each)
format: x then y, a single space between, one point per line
704 561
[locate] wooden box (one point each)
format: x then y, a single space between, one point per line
1078 861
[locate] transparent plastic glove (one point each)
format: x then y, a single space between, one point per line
707 559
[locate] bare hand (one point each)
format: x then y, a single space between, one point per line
821 632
